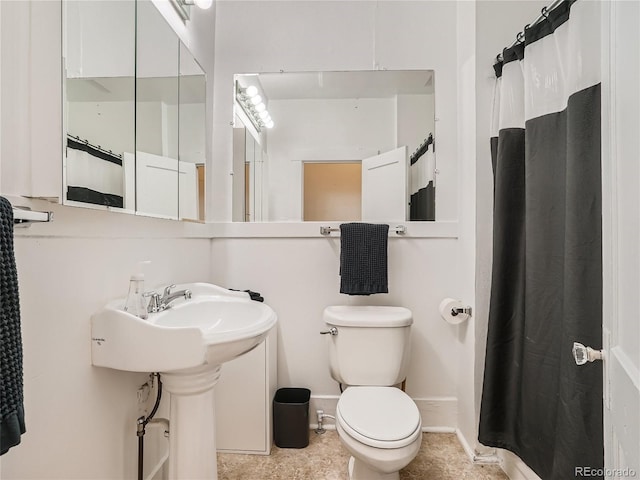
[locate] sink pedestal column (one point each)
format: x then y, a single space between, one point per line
192 435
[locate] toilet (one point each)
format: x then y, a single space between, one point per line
378 424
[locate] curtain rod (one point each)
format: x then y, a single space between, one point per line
421 150
95 147
544 13
400 230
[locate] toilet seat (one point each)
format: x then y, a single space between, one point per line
380 417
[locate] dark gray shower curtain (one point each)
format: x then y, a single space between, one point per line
546 288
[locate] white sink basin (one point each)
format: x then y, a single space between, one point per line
214 326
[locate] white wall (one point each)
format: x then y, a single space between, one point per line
80 420
466 191
72 267
299 276
459 40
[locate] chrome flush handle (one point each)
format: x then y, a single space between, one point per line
331 331
582 354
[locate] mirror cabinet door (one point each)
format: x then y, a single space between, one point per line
99 102
134 112
191 140
157 95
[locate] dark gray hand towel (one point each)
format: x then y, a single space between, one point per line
363 258
11 397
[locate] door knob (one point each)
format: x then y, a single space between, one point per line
582 354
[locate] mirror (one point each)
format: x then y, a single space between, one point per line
192 137
134 112
157 94
99 111
343 146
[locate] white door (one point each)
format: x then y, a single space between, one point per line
621 238
156 185
384 187
166 187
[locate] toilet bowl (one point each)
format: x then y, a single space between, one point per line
378 424
381 428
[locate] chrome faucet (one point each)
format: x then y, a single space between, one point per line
158 303
169 297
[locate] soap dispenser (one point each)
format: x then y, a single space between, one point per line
136 304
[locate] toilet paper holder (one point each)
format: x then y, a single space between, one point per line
456 311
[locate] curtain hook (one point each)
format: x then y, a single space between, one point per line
545 13
520 36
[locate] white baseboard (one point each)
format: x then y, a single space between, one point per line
515 468
439 414
428 429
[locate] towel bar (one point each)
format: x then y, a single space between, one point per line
400 230
24 216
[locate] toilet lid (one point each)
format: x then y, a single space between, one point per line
378 316
382 417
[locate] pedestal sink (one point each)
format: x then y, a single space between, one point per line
187 343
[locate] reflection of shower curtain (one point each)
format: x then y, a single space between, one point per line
93 175
546 288
421 182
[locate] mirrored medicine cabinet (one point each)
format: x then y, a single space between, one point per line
134 112
334 146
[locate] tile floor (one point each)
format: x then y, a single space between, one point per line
441 457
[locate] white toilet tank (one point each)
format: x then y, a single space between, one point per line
371 346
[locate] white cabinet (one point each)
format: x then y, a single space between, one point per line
30 86
243 398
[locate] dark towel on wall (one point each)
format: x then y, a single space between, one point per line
363 258
11 396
